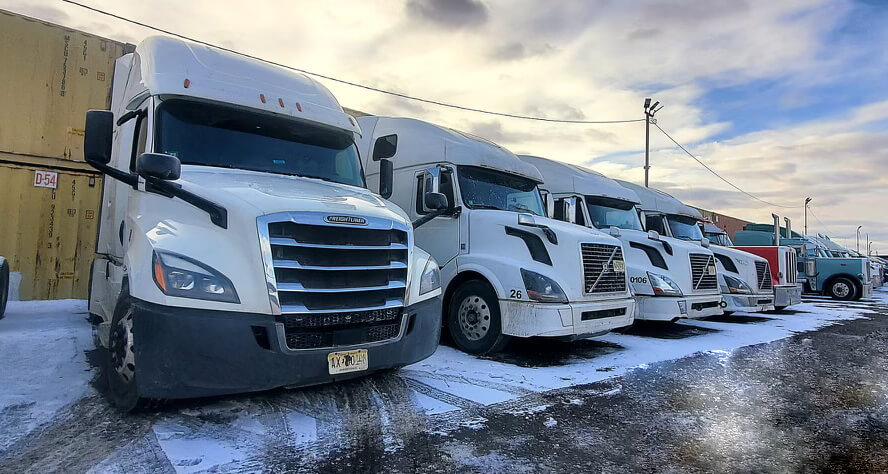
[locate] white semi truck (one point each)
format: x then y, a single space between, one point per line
661 268
667 216
239 248
507 269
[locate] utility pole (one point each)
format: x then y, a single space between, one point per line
649 111
858 238
807 200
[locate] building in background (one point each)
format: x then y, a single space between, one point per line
49 198
731 225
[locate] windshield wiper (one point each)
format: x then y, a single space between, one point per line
486 206
522 208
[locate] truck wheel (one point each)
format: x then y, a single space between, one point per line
842 289
473 319
120 367
4 285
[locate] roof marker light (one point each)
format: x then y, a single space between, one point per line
262 98
187 83
280 102
298 106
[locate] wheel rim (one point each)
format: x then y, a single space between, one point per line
474 317
841 289
123 358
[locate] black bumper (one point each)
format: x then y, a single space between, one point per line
187 353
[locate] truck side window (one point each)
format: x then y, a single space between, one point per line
140 139
446 187
559 210
580 218
655 223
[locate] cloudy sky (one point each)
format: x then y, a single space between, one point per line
786 99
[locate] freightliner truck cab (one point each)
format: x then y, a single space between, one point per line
660 267
507 269
239 249
839 278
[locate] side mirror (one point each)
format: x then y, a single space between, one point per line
704 242
570 209
548 202
614 231
385 147
99 133
653 235
526 219
158 165
435 201
386 178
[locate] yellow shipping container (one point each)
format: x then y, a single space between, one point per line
49 77
49 234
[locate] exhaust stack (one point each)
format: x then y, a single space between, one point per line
788 227
776 229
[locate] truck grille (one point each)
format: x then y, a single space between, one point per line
598 268
763 273
314 331
336 284
701 278
790 272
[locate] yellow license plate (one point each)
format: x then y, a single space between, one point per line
347 361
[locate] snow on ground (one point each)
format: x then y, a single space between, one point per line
43 345
44 367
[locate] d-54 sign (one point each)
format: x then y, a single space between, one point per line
46 179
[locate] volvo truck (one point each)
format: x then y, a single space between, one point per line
782 263
239 247
839 278
506 268
660 267
744 278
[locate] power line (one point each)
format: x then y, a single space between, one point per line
350 83
720 176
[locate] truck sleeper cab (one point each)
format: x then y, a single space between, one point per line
839 278
660 267
239 249
507 269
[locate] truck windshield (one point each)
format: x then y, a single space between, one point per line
228 137
718 238
684 228
607 212
482 188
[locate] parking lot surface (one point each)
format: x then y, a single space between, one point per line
806 388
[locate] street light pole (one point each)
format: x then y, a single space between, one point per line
807 200
649 111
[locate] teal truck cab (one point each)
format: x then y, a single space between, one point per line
842 278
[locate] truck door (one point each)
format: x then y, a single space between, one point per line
442 236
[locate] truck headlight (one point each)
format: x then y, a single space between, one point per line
178 275
431 277
736 286
542 288
663 285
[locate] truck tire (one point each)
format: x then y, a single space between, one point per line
842 288
473 319
120 366
4 285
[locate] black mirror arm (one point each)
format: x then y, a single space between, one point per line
130 115
218 214
440 212
666 246
551 236
115 173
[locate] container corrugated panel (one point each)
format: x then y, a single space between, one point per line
50 77
49 235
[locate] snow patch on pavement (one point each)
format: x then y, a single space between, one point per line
42 345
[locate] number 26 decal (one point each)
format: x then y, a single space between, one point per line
516 294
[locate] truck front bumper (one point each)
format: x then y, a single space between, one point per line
748 303
787 295
672 308
187 353
526 319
